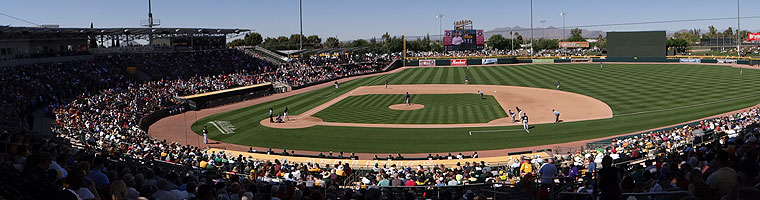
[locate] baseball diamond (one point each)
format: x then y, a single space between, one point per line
641 97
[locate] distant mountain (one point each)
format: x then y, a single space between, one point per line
548 32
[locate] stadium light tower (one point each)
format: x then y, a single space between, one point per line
563 23
440 29
531 28
300 19
738 31
543 28
150 23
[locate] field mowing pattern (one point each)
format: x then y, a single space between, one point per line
439 109
642 96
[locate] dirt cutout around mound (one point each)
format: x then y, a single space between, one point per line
403 106
537 103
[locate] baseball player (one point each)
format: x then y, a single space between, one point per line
558 85
407 98
741 70
601 65
519 111
481 94
525 122
286 114
556 116
271 113
386 84
512 114
468 65
336 84
205 135
466 80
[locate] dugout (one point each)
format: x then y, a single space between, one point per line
648 45
222 97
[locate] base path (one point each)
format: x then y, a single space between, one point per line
537 103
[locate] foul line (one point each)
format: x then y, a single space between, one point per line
217 127
489 131
687 106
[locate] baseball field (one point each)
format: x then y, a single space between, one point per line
640 96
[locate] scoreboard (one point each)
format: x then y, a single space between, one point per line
463 40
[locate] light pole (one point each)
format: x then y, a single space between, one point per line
563 23
300 16
531 28
543 28
738 31
512 35
440 30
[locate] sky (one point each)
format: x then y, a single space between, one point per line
358 19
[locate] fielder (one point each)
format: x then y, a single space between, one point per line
386 84
601 65
519 112
271 115
336 84
407 98
525 122
481 94
556 116
466 80
205 135
512 114
558 86
286 114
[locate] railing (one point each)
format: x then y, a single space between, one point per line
656 195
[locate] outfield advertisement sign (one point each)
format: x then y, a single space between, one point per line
543 60
726 61
580 60
427 63
691 60
488 61
753 36
573 45
458 62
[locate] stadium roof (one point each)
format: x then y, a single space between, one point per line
322 50
7 31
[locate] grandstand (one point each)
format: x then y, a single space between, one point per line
99 113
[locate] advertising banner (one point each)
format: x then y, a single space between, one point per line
427 63
753 36
480 39
488 61
691 60
543 60
573 44
458 62
726 61
446 37
580 60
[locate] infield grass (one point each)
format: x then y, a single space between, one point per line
642 96
439 109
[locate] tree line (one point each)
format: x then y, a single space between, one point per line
385 44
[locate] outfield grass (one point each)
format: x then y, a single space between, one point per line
642 96
439 109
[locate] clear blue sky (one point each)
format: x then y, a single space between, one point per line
352 19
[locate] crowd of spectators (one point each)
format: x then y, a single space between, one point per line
97 107
315 69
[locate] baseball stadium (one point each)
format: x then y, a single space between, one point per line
586 111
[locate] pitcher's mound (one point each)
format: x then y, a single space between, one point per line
405 107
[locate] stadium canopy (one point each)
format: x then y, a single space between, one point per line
322 50
8 32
